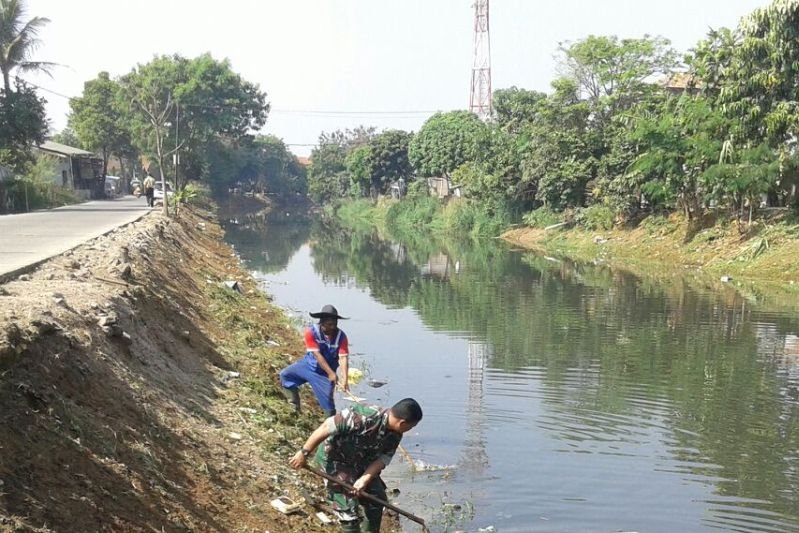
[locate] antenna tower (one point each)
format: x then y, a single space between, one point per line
480 98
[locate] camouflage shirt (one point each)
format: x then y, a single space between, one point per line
358 436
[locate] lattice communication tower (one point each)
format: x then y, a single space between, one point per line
480 97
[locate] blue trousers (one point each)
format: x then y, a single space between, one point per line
300 372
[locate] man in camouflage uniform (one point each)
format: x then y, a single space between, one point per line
358 444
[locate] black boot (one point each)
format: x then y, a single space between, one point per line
293 396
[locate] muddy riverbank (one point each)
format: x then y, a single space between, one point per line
139 393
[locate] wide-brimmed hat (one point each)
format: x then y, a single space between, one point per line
328 311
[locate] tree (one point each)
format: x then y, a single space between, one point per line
327 178
18 40
98 120
678 146
613 74
23 122
559 149
191 103
359 168
446 141
388 158
66 136
514 108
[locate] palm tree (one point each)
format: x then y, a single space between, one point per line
18 40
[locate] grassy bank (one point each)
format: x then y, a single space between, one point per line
424 214
764 252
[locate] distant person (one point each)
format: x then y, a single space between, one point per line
149 190
358 444
325 345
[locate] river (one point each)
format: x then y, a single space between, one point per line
557 397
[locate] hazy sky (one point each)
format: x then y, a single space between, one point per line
329 64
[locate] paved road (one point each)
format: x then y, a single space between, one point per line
30 238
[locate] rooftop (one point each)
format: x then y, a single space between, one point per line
63 149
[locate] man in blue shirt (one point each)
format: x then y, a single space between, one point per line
325 345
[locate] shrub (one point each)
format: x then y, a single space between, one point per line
35 189
596 218
542 218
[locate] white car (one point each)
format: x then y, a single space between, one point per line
158 192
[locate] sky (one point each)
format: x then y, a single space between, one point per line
331 64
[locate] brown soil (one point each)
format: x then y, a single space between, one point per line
137 394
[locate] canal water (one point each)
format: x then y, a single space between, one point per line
557 397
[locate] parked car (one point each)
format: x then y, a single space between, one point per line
158 192
113 186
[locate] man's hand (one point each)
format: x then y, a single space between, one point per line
298 461
361 483
332 377
346 387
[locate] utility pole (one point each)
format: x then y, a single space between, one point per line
177 145
480 97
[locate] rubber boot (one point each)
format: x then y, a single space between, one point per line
293 396
350 526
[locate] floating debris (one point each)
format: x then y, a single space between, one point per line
357 399
421 466
376 383
355 375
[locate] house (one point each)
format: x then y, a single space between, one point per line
442 187
77 169
678 83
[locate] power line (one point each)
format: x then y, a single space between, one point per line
311 112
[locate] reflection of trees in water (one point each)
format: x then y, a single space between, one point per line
696 349
266 243
340 256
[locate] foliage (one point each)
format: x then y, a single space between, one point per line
595 218
412 214
677 146
23 123
515 108
388 158
19 38
542 218
35 188
328 180
446 141
613 73
359 167
199 102
66 136
328 177
98 119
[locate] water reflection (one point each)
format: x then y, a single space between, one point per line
572 397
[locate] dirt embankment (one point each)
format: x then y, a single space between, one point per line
137 393
764 252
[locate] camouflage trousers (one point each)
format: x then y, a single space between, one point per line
357 515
